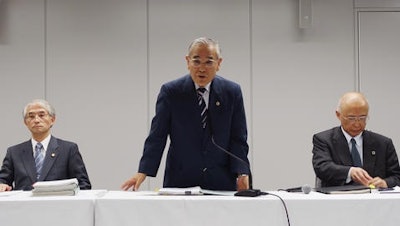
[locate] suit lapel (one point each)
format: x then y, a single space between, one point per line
192 108
342 146
369 152
215 103
28 160
190 90
50 158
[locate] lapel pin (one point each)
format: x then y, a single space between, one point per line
217 103
53 155
372 152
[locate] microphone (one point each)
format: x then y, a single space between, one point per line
306 189
248 192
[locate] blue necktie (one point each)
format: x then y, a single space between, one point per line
354 154
39 157
203 106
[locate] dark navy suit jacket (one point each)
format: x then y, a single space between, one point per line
332 159
62 161
192 159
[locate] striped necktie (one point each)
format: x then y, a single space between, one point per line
39 157
203 106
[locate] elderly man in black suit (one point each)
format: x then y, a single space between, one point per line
198 112
349 154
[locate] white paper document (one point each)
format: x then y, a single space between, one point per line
393 190
197 190
10 193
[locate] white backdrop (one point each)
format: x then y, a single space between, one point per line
101 64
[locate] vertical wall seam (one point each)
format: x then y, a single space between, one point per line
251 81
148 69
45 76
357 79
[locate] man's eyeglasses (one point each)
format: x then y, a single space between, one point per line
197 63
362 118
32 116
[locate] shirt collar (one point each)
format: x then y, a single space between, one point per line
207 87
44 142
357 138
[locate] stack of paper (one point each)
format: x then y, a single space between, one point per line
197 190
393 190
180 191
56 187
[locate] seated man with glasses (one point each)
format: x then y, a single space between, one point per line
43 157
349 154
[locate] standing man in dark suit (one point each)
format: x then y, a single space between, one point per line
44 157
193 158
349 154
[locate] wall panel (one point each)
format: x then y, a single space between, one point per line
21 65
379 70
298 76
97 80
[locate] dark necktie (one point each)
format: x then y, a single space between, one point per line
354 154
39 157
203 106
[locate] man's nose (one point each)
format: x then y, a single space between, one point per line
202 68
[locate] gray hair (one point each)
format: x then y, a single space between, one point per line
206 41
43 103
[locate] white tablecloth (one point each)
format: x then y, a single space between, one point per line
118 208
22 209
141 208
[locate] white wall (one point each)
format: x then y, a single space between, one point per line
101 64
22 68
379 69
97 78
298 76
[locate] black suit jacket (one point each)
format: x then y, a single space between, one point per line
332 159
62 161
192 159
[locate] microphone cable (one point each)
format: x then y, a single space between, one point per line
284 206
237 158
230 154
261 193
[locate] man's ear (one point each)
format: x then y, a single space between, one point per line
338 115
219 63
53 120
187 61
